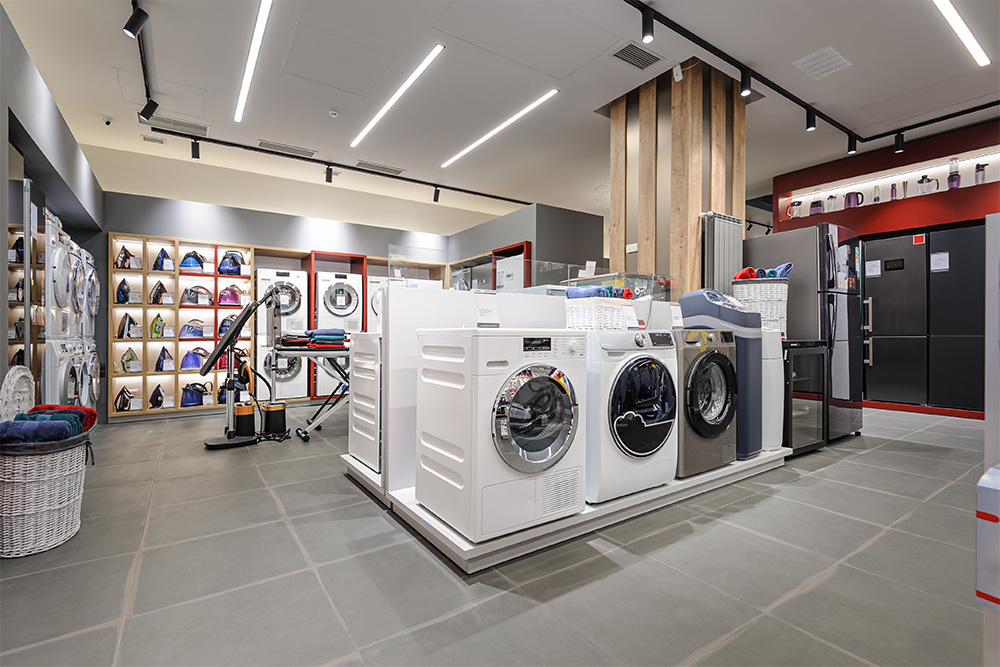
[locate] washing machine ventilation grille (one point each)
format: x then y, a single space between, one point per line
560 491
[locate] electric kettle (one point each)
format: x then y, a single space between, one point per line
816 207
830 205
853 200
924 185
793 210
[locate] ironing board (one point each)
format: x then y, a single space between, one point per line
336 400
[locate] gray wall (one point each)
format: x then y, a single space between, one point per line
568 236
506 230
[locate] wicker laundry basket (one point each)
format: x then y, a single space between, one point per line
41 490
596 313
767 296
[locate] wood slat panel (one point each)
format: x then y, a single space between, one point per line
717 150
616 222
646 261
686 110
739 178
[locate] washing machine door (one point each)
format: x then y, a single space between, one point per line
341 299
92 389
84 380
284 372
61 276
69 381
289 297
93 292
642 407
535 418
711 394
78 280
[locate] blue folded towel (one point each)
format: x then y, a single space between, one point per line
783 270
327 339
74 420
325 332
772 273
34 431
761 273
587 292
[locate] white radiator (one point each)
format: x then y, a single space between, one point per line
721 250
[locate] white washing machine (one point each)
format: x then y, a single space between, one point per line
292 377
78 290
364 431
58 285
90 376
62 364
294 299
632 410
92 302
339 301
501 441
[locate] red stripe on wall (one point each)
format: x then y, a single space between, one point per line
926 409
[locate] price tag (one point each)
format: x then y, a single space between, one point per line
12 256
487 313
341 301
204 300
207 400
282 364
244 299
134 366
940 262
135 404
135 263
167 298
41 257
168 265
12 294
873 268
11 333
208 268
244 270
135 331
168 366
168 332
168 401
134 297
285 299
631 321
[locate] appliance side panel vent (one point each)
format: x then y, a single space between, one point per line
722 250
560 491
636 56
176 125
380 168
285 148
821 64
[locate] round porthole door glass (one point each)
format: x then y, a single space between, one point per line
93 293
711 390
642 407
95 379
535 417
284 371
79 285
289 298
61 276
341 299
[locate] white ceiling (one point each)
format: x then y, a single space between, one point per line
500 55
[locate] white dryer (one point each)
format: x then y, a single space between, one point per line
339 301
62 364
293 297
58 285
501 442
92 302
78 290
90 376
632 412
291 375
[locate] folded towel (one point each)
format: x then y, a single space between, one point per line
772 273
75 421
90 414
325 332
783 270
326 346
330 339
587 292
34 431
746 273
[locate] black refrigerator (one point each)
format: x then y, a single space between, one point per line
824 307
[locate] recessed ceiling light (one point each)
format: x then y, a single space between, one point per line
399 93
255 42
958 25
502 125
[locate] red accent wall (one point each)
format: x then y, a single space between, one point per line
940 208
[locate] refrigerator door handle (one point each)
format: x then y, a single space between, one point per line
831 262
870 361
868 319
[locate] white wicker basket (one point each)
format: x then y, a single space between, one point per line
595 313
767 296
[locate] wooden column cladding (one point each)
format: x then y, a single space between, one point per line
647 178
687 149
616 218
739 173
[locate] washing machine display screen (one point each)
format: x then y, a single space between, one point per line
537 344
534 418
642 407
661 340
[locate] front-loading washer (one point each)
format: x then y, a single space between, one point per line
90 376
78 291
62 363
501 441
373 302
293 297
291 377
340 301
92 301
632 410
58 285
706 365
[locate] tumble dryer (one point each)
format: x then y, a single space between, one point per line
62 363
293 298
632 409
92 301
707 376
291 376
90 376
58 285
78 291
340 301
501 443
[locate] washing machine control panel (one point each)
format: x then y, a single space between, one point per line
554 348
661 339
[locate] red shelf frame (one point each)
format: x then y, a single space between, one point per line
513 250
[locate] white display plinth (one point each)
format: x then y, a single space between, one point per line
366 477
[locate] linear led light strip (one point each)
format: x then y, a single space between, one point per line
958 25
255 42
399 93
504 124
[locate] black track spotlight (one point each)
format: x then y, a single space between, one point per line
437 194
810 120
745 83
899 142
195 150
135 23
148 110
767 231
329 174
647 25
852 144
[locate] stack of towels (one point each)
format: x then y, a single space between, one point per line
48 423
327 339
293 340
781 271
599 290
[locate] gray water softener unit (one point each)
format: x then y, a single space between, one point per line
710 309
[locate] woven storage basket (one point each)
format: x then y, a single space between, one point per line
767 296
597 313
40 494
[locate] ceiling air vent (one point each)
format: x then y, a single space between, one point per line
380 168
175 125
636 56
152 140
821 64
285 148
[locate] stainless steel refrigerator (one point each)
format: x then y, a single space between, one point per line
824 306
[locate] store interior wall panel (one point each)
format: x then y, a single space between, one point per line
567 236
514 227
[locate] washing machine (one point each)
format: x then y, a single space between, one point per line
364 431
78 290
291 375
706 367
62 368
90 376
293 297
92 301
58 285
501 441
631 411
339 301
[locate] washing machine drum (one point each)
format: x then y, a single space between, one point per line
93 376
62 276
642 407
93 292
286 373
79 285
294 298
535 418
341 299
711 394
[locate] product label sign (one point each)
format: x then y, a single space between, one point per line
135 263
285 299
204 300
244 269
341 300
209 268
168 265
918 239
134 366
168 332
873 268
168 401
135 404
244 299
487 312
135 331
12 294
282 364
168 298
168 366
12 256
631 321
206 400
939 262
134 297
11 333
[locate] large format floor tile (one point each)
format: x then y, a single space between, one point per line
301 470
319 494
115 500
128 473
95 648
768 642
965 457
883 479
348 531
212 515
555 558
917 465
210 485
865 504
943 523
959 495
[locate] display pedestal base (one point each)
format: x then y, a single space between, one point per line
225 442
370 480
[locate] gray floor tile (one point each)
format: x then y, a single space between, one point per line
301 470
290 450
939 522
915 465
90 649
865 504
966 457
182 446
968 428
768 480
810 462
807 527
768 642
506 630
97 538
113 455
212 515
902 419
319 494
927 565
350 660
651 522
975 443
115 499
713 500
960 495
885 622
628 606
284 622
129 473
185 571
348 531
555 558
209 485
888 431
212 461
852 445
391 590
753 569
883 479
51 604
